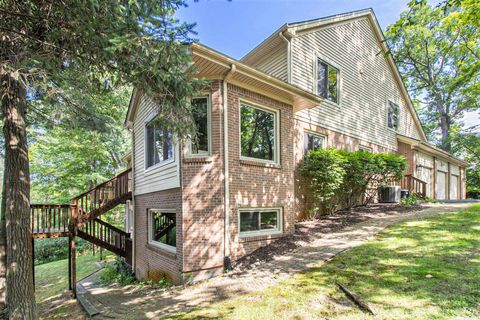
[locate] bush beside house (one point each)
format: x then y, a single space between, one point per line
341 179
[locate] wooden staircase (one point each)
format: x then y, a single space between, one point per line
81 218
416 186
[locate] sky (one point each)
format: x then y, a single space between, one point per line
236 27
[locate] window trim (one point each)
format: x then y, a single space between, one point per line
276 124
313 133
188 145
398 116
162 163
319 56
150 240
267 232
362 147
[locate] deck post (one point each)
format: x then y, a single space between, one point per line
33 262
74 266
69 262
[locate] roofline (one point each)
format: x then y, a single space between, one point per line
368 12
252 72
431 149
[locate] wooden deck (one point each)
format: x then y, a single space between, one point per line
81 218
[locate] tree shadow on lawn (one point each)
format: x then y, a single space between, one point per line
427 268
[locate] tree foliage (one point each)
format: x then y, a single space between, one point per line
49 47
437 50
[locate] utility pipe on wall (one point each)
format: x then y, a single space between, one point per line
226 175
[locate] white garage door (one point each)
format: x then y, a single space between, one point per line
441 185
454 179
425 174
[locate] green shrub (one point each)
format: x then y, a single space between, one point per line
410 201
324 169
118 272
53 249
340 178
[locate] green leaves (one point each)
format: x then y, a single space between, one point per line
343 179
437 53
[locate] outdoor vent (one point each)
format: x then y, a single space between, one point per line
389 194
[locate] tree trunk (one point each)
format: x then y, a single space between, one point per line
445 129
20 297
3 255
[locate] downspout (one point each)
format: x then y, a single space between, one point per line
132 203
282 36
226 175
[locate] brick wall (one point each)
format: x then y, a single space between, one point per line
254 184
303 195
203 199
152 262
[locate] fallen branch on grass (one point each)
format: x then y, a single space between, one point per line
357 301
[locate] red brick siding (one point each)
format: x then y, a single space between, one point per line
253 184
203 198
152 262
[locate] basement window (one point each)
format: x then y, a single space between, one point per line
260 221
162 229
327 81
258 133
158 144
393 115
201 116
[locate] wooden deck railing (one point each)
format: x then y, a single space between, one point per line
50 220
414 185
107 236
103 197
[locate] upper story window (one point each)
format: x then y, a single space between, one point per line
327 81
313 141
393 115
258 133
158 144
201 117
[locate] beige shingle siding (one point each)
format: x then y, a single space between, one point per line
156 178
367 82
275 64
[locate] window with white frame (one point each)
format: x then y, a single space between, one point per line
258 133
313 141
201 116
162 229
158 144
263 221
365 148
393 115
327 81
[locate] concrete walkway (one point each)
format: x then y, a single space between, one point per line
133 302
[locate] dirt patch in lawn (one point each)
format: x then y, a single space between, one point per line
311 230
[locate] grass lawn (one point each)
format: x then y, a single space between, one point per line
51 287
424 269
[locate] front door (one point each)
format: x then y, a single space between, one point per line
425 174
454 187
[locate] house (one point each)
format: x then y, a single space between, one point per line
311 84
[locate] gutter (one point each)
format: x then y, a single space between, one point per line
227 263
287 41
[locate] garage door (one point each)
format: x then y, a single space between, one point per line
441 185
454 182
425 174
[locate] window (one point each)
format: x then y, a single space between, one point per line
313 141
393 115
258 133
327 81
365 148
264 221
201 116
162 230
158 143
